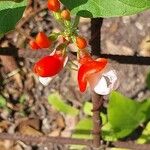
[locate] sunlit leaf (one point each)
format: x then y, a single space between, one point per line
57 102
82 131
106 8
10 13
145 137
125 114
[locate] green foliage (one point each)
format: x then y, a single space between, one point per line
125 115
10 13
108 133
106 8
17 1
82 131
56 101
2 102
145 137
87 108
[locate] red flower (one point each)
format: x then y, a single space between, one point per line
49 66
88 68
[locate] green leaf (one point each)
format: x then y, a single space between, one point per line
125 114
145 137
87 108
2 102
82 131
17 1
10 14
106 8
108 133
56 101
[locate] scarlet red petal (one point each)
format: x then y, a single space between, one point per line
48 66
88 69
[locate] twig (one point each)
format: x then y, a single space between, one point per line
44 139
97 101
131 145
26 19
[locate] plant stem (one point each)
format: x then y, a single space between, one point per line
76 22
97 101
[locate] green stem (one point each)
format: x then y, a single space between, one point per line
58 18
76 21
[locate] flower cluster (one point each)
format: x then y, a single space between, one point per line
94 72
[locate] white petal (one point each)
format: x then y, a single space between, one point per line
65 61
45 80
53 52
106 83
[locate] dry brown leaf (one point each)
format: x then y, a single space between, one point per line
6 144
27 130
34 123
70 125
4 124
55 133
60 121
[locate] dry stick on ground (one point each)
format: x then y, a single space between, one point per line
97 100
45 139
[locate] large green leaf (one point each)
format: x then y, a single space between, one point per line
106 8
125 115
56 101
10 13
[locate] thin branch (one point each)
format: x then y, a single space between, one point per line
131 145
44 139
97 101
26 19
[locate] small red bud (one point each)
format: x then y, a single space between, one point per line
42 40
81 42
33 45
65 14
53 5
